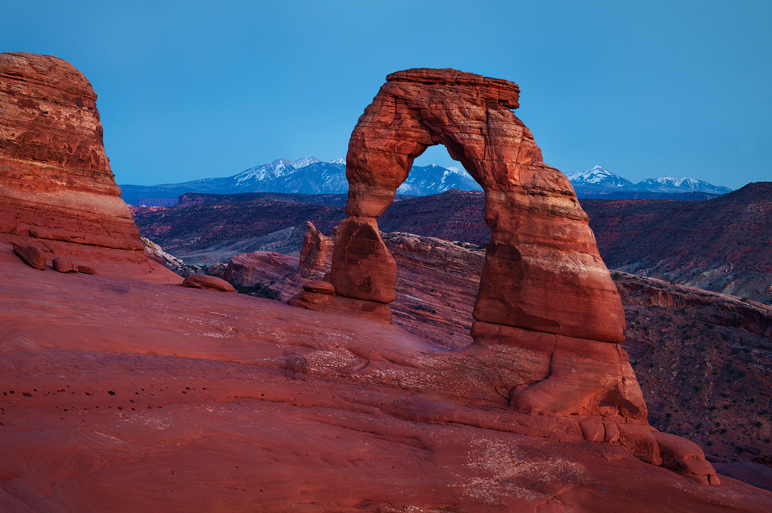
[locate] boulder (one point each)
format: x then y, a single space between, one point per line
202 281
63 264
685 457
32 256
85 269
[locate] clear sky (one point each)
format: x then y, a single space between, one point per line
191 89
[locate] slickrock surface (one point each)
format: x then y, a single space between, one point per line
127 395
55 179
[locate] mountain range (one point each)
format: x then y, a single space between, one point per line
311 176
600 182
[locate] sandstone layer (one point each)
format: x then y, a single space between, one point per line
55 178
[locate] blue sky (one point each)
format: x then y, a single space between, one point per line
189 90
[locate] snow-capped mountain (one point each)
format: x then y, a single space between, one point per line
600 182
433 179
311 176
598 176
670 184
306 176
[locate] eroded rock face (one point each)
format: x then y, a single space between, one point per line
55 178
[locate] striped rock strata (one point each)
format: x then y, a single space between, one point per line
55 178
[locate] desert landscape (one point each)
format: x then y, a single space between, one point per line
367 377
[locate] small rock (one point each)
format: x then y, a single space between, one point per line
64 265
32 256
85 269
202 281
322 287
685 457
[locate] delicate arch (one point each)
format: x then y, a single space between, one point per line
542 268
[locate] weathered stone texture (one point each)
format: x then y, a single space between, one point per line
55 178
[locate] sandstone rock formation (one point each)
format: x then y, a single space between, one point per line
685 457
543 271
322 287
57 192
544 286
316 251
52 159
259 267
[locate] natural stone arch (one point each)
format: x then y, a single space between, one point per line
548 316
542 269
